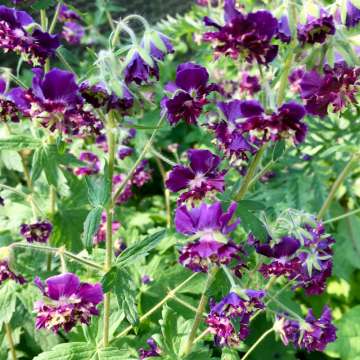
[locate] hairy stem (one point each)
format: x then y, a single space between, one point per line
257 342
10 340
340 179
250 173
55 18
109 218
137 162
53 250
199 312
343 216
166 190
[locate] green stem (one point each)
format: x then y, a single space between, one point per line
257 342
122 26
169 296
343 216
137 162
163 158
64 61
53 250
166 192
204 333
284 77
229 276
55 18
199 312
250 174
287 309
340 179
43 19
139 18
184 303
109 218
10 341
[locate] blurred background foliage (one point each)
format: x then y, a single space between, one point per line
298 182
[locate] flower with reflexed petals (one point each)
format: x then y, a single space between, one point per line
68 302
246 35
200 178
37 232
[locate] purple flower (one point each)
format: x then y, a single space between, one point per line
99 96
209 222
199 255
100 236
247 35
154 350
146 279
316 30
189 93
68 302
8 109
200 178
295 79
92 161
312 334
306 259
35 47
139 70
72 32
157 45
124 152
249 84
119 247
55 101
352 15
37 232
337 87
229 319
7 274
67 14
284 33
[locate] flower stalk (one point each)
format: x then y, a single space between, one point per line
340 179
200 309
10 341
257 342
109 217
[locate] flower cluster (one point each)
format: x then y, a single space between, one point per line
310 334
316 30
154 350
55 102
6 274
92 167
304 256
68 302
20 34
247 35
37 232
72 31
229 319
189 94
142 64
139 178
210 226
8 109
200 178
336 87
100 236
245 126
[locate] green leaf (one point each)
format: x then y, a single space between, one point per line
98 190
125 291
347 345
7 301
50 164
251 223
278 150
82 351
141 248
251 205
169 330
229 354
37 164
91 226
19 142
42 4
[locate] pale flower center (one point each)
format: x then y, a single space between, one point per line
197 181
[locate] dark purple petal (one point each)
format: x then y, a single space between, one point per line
352 15
62 285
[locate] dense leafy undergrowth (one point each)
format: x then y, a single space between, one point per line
188 190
